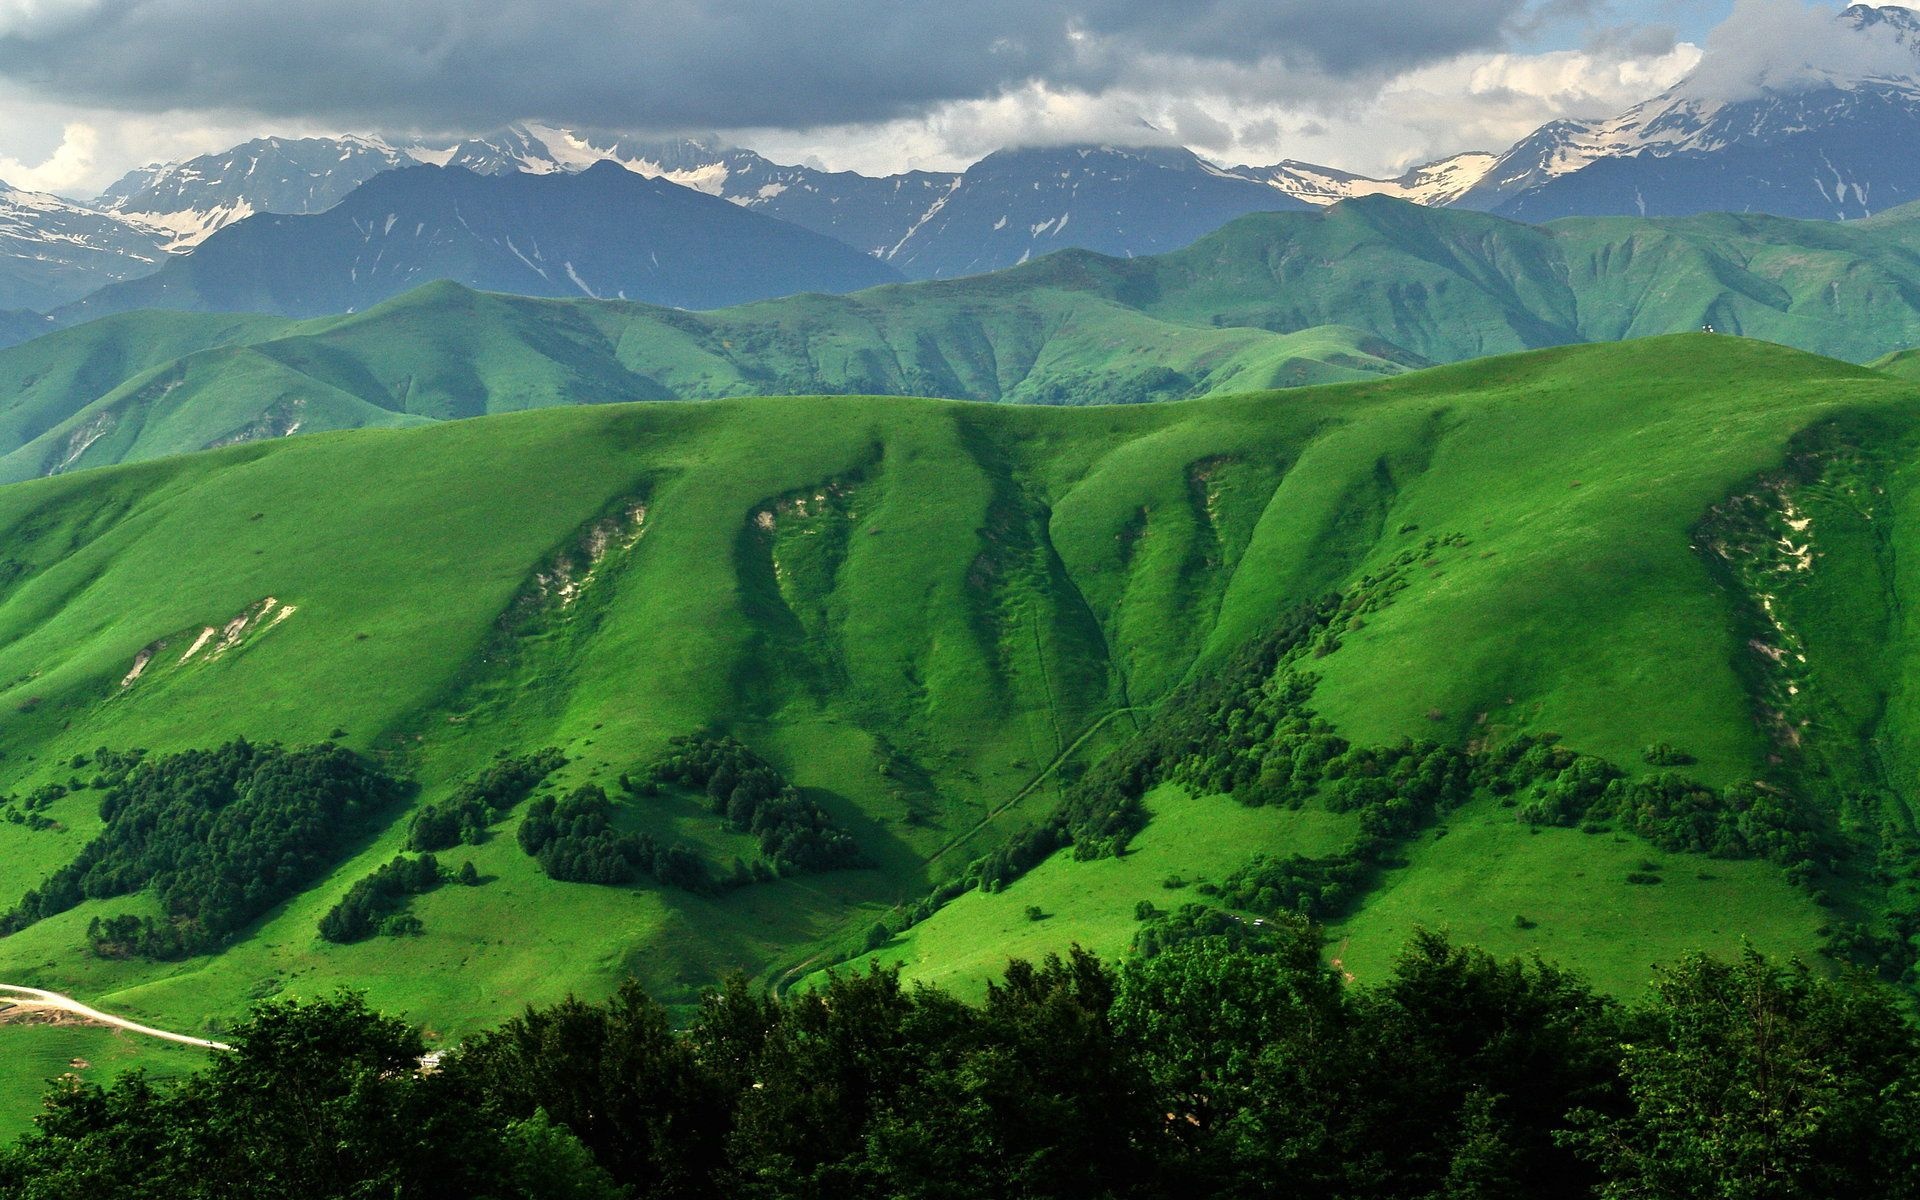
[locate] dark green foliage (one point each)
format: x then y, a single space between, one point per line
1753 1080
575 842
481 801
1556 786
1314 888
1217 1066
1190 738
1662 754
323 1099
795 833
219 836
375 900
616 1076
1196 922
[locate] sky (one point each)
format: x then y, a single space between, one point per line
92 88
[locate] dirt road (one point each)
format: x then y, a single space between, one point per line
36 998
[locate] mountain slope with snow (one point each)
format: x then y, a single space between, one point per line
1020 204
604 232
1820 126
1435 183
53 251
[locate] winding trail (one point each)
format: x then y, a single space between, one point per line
1034 783
785 980
36 998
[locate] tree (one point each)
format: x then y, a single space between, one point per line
1231 1040
618 1078
1758 1081
546 1162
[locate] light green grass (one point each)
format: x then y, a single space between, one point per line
33 1055
1195 839
1007 580
1489 869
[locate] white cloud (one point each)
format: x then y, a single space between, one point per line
69 166
1788 46
38 17
1475 102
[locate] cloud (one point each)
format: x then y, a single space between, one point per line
671 64
1471 102
1788 46
42 17
70 163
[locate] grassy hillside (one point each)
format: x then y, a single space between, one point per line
930 616
79 398
1364 289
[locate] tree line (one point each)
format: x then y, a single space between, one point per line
1228 1061
219 836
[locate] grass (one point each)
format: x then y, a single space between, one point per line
914 608
1563 894
1195 839
1363 290
35 1054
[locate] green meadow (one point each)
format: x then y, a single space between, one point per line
931 616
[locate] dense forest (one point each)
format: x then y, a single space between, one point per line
1223 1059
219 836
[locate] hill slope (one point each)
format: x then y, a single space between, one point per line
602 232
1368 287
930 616
144 385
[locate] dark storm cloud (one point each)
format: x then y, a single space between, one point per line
689 63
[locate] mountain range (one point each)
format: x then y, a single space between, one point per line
1367 288
601 232
1817 135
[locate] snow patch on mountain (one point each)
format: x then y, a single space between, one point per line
1435 183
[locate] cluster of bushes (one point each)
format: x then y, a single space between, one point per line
219 836
1316 888
1212 1068
1246 729
481 801
1161 932
1551 785
1890 947
795 834
377 904
574 841
31 810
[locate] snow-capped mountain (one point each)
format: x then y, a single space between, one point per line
1817 124
1823 129
1435 183
189 200
1019 204
53 251
603 232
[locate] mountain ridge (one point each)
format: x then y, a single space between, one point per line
603 231
1368 288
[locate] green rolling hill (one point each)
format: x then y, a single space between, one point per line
1681 556
147 385
1365 289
